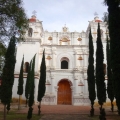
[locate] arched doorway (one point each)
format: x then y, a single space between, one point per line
64 93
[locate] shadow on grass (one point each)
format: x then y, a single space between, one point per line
108 117
18 116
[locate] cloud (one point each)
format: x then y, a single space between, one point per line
55 13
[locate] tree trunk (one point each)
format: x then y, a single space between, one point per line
39 106
92 111
112 106
4 112
19 102
26 102
101 107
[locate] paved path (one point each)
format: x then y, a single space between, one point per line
69 112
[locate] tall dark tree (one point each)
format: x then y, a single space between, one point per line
114 33
31 97
100 75
0 86
8 75
20 82
2 56
42 80
90 73
110 87
105 18
31 101
28 83
12 19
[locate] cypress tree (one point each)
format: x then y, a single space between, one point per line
110 89
114 33
101 90
8 75
20 82
0 86
31 97
90 74
27 86
42 80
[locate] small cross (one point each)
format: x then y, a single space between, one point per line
65 24
34 13
95 14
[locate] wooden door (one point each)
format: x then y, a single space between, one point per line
64 93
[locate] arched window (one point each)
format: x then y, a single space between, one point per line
30 31
26 68
64 63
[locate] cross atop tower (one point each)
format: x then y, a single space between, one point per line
65 25
95 14
34 13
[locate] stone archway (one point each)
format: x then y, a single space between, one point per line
64 95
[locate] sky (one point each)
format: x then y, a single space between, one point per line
56 13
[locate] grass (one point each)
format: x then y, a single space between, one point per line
108 117
18 116
14 115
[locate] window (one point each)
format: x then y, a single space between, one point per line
64 63
26 67
30 31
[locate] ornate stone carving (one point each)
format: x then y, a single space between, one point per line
72 88
48 99
56 88
81 100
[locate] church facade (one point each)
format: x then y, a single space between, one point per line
66 55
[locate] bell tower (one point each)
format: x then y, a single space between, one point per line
35 29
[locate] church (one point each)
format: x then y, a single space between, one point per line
66 55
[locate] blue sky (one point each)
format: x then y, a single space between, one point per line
56 13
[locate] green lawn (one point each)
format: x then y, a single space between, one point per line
18 116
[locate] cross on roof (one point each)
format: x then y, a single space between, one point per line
95 14
34 13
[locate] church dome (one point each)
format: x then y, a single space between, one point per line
97 19
32 19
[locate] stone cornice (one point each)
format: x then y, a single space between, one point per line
65 70
63 46
24 76
16 75
32 39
